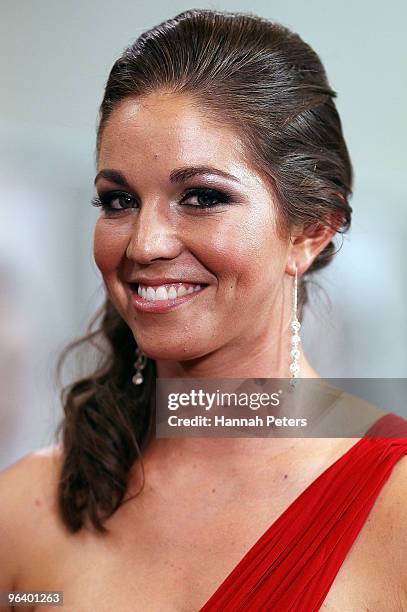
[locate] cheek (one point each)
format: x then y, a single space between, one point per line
243 253
109 246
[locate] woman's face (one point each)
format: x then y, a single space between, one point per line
161 157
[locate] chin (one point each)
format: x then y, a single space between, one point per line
158 350
170 351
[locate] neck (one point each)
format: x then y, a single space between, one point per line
264 359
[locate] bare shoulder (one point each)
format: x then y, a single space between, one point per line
392 524
395 502
28 501
31 476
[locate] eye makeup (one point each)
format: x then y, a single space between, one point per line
205 197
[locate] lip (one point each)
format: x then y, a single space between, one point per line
163 280
161 306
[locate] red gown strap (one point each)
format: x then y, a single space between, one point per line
294 563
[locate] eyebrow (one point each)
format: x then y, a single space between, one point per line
178 175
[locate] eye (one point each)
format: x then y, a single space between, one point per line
114 201
203 197
199 197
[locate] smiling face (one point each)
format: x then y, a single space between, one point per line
161 149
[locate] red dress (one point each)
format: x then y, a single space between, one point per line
294 563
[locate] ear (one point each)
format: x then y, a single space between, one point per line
308 240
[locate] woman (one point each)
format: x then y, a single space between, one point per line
221 166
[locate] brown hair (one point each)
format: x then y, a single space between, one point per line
264 81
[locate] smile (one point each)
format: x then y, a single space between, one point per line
162 298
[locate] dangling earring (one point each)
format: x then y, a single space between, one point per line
139 366
295 336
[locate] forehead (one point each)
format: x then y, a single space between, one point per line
167 130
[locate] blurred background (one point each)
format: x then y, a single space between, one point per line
55 59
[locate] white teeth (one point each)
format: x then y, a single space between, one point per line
162 293
150 294
172 293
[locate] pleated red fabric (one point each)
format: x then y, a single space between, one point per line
294 563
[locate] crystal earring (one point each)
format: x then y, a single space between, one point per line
295 336
139 366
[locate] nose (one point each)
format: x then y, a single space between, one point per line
154 235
